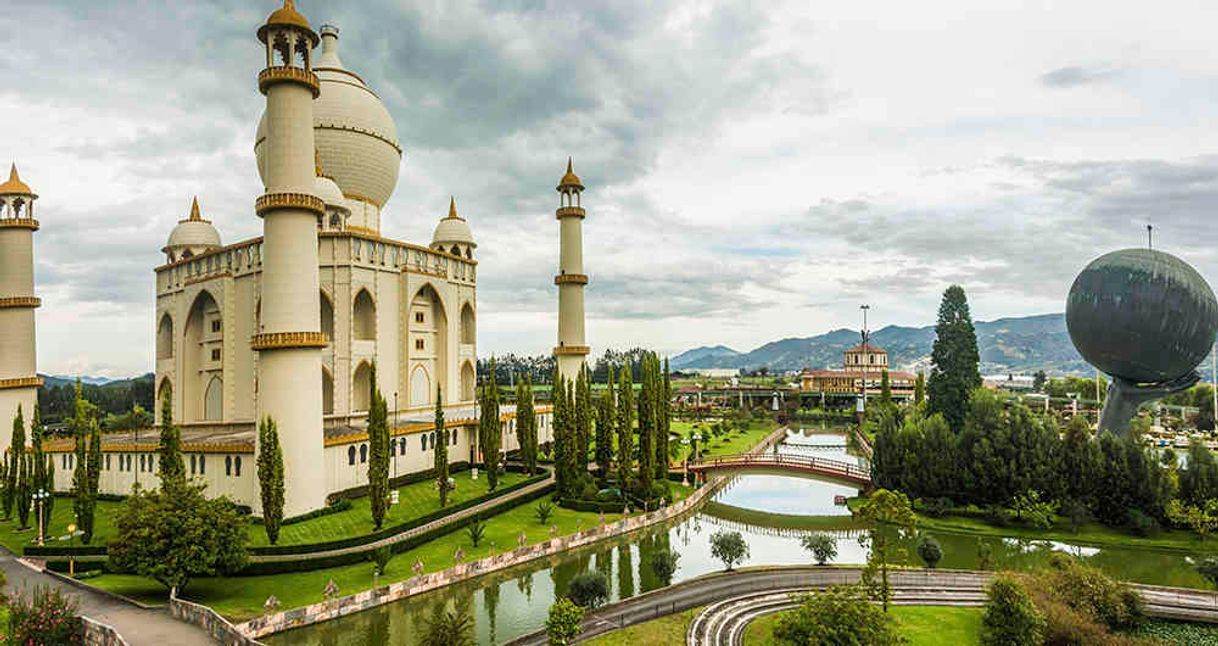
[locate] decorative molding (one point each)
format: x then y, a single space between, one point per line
207 277
571 279
572 350
363 131
569 212
20 301
287 74
279 340
304 201
19 223
20 382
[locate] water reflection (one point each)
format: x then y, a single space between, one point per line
508 604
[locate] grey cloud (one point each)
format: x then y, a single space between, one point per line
1077 75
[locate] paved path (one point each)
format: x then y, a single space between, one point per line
755 592
410 533
139 626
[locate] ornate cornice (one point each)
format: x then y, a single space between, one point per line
20 301
572 350
571 279
19 223
20 382
569 212
363 131
303 201
279 340
287 74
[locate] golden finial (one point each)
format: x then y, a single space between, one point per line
14 185
570 179
452 208
194 210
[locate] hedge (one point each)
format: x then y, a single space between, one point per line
280 567
333 508
64 550
356 541
400 481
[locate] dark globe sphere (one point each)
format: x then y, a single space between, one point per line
1143 315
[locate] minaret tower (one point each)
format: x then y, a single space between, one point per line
571 348
289 340
19 379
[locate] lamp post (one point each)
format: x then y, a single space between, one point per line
71 543
39 497
391 438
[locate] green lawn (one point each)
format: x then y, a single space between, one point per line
61 516
921 625
665 630
731 443
414 501
241 598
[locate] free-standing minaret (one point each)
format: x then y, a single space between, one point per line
571 348
289 339
19 379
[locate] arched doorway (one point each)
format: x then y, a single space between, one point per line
202 357
468 382
213 401
361 387
364 315
469 332
327 316
420 387
428 348
327 392
164 338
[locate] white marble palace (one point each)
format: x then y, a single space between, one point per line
290 324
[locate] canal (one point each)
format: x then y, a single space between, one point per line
771 510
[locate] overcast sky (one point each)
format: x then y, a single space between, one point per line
754 170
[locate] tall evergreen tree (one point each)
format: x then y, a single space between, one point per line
440 449
954 373
605 421
17 449
7 492
526 424
562 435
378 452
1199 479
93 466
270 477
24 489
647 428
663 409
170 465
625 427
43 480
920 388
1080 461
48 504
583 419
491 430
85 496
885 389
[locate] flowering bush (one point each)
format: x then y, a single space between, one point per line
45 616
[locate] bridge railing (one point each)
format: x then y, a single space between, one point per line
813 463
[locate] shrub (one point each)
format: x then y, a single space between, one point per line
929 550
476 530
564 623
543 511
839 615
588 589
822 546
1010 617
664 564
1091 592
45 616
1141 524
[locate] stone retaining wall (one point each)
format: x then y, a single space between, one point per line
334 608
218 627
95 633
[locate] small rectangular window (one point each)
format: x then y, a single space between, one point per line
418 317
215 354
215 325
418 344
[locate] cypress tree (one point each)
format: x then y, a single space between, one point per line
93 471
625 427
440 449
85 495
44 474
270 477
6 492
48 504
378 452
170 465
491 431
647 427
558 394
24 491
583 419
604 428
526 424
663 415
919 388
885 389
17 448
954 374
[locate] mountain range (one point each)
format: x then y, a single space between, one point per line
1008 345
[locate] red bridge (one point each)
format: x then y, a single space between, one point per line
806 464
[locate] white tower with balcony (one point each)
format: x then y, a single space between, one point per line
572 349
19 379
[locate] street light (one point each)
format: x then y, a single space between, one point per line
40 496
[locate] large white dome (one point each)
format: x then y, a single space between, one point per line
355 135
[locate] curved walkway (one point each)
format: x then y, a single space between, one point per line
410 533
139 626
915 587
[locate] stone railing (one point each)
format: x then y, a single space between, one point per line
95 633
209 620
334 608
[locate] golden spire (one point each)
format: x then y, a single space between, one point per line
287 15
14 185
194 210
570 179
452 208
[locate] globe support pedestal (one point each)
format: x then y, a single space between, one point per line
1124 398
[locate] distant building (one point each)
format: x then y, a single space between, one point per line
714 373
1009 382
862 365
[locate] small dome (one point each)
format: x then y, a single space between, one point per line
354 133
193 233
14 185
570 179
285 15
327 190
452 229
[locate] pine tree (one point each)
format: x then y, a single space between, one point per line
526 425
44 469
625 427
647 428
558 396
170 465
490 430
919 389
604 429
885 389
17 448
440 450
48 504
24 490
93 465
583 419
954 375
85 496
663 413
270 477
378 452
